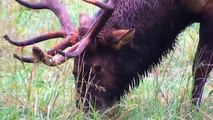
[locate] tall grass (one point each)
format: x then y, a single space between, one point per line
35 91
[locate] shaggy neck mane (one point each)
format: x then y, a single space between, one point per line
157 24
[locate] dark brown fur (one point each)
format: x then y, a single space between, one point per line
103 74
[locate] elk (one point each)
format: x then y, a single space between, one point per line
124 41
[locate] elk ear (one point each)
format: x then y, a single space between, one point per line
122 37
84 19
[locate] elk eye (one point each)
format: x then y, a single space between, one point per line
97 68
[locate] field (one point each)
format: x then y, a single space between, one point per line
35 91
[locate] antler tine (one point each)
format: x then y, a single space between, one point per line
40 56
100 4
25 59
98 24
33 5
51 35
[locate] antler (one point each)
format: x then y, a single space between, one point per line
94 29
67 32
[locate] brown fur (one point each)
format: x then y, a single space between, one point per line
103 74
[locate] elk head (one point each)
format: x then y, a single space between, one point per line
98 65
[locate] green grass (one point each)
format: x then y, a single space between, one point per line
35 91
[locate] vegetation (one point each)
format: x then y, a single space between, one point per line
35 91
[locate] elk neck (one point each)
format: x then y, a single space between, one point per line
157 24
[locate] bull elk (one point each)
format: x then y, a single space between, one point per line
123 41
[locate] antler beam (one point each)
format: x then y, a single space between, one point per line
94 29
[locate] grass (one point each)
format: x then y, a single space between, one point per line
35 91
